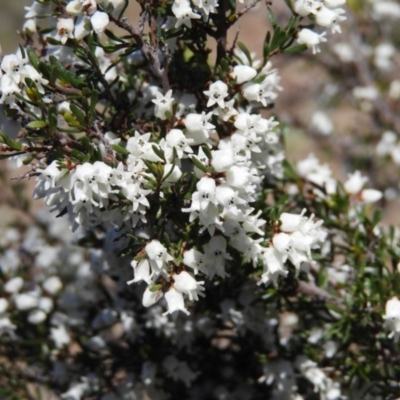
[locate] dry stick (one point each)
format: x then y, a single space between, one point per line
313 291
149 53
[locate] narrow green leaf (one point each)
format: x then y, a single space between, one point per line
158 152
245 51
207 152
37 124
155 288
9 142
33 58
199 165
93 102
78 114
296 49
53 118
272 18
120 150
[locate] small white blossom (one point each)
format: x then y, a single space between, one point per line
163 104
99 21
175 301
311 39
184 13
65 29
217 93
243 73
392 317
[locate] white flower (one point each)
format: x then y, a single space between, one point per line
392 317
216 255
74 8
198 128
3 305
14 285
158 255
206 6
26 301
151 297
328 18
175 301
334 3
142 272
195 260
52 284
321 123
228 111
386 9
76 392
370 196
355 183
273 262
184 13
281 242
186 104
60 336
205 193
36 317
185 283
163 104
311 39
65 29
82 27
258 92
216 94
90 6
306 7
176 139
99 21
172 174
222 160
243 73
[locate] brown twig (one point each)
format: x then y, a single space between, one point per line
313 291
150 53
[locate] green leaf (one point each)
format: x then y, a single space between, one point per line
296 49
78 155
245 51
78 114
120 150
9 142
92 108
155 288
53 118
272 18
54 42
112 36
199 165
158 152
33 58
207 152
153 169
39 124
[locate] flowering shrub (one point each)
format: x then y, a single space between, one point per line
213 267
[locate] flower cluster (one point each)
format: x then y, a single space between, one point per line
206 247
325 13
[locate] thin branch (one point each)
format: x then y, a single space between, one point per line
313 291
149 53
